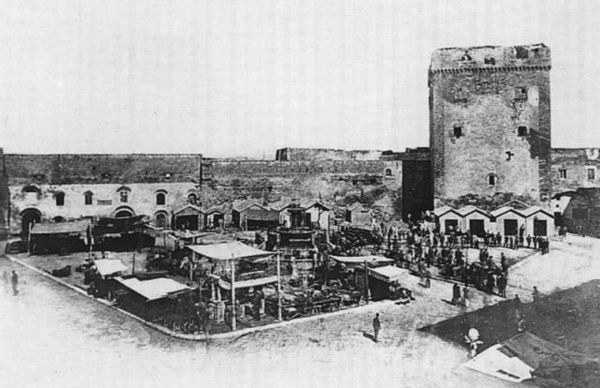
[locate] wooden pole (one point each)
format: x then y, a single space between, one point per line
367 282
233 294
278 287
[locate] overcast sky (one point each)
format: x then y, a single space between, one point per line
233 78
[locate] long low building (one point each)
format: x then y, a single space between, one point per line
506 220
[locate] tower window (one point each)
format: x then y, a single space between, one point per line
522 131
88 197
466 57
124 196
521 93
562 173
60 199
489 61
460 95
492 179
388 172
591 173
521 52
458 132
192 198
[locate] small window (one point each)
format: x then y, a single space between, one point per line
124 196
522 130
192 198
388 172
60 199
88 197
489 61
521 93
492 179
458 132
460 95
562 173
591 174
160 198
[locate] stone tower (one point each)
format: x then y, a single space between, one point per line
490 124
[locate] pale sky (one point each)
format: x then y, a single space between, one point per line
243 78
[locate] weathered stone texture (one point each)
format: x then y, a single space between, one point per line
575 163
482 100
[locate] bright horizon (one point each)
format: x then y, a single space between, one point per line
244 78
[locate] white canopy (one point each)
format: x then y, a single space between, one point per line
108 267
229 251
361 259
248 283
494 361
388 273
153 289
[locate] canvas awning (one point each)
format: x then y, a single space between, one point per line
153 289
108 267
79 226
361 259
248 283
229 251
388 273
525 355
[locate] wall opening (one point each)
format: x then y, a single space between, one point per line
88 197
522 130
161 198
492 179
458 131
59 198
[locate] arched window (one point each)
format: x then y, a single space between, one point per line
388 172
161 198
88 197
59 198
192 198
492 179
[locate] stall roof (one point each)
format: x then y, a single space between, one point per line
61 227
153 289
505 209
388 273
228 251
248 283
440 211
530 211
360 259
109 266
465 211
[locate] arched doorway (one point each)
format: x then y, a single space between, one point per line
124 213
59 219
161 220
29 217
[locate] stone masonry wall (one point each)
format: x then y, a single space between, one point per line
481 99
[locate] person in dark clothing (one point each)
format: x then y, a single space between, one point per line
455 293
491 283
14 279
376 327
502 286
528 241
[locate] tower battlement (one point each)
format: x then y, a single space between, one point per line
491 58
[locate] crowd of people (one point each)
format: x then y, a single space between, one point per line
422 245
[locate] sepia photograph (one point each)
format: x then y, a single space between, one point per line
286 193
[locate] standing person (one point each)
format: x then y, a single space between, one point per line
501 282
6 281
535 294
376 326
455 293
14 279
466 296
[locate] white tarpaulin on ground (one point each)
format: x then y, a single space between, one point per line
229 251
153 289
248 283
496 362
361 259
389 273
108 267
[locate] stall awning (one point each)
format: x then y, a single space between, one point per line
388 273
229 251
109 266
153 289
79 226
361 259
248 283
